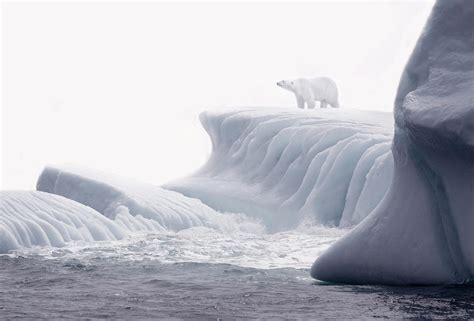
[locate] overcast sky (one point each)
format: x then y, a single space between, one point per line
118 87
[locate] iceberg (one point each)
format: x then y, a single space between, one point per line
422 231
288 166
407 186
110 195
40 219
74 204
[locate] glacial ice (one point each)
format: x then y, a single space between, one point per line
36 218
290 166
74 204
112 195
49 225
422 232
276 165
409 187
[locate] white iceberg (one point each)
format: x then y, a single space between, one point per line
287 166
411 187
422 232
40 219
92 206
111 196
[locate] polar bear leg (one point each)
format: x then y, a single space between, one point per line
309 100
300 101
324 104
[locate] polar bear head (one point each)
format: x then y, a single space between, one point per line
287 84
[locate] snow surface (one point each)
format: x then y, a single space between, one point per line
287 166
422 233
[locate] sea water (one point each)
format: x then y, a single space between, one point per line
203 273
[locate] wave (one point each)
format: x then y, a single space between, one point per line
51 226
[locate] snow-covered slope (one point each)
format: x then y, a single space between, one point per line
286 165
36 218
111 195
423 230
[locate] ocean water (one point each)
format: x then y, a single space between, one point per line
202 273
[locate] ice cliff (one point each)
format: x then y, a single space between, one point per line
289 166
422 232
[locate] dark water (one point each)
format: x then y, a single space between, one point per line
40 288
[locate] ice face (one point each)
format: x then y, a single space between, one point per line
36 218
48 225
111 195
290 166
422 232
93 206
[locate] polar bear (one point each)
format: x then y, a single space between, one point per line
307 91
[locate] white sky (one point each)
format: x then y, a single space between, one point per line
118 87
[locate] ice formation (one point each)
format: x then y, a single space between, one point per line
36 218
74 204
111 195
422 232
286 166
411 187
